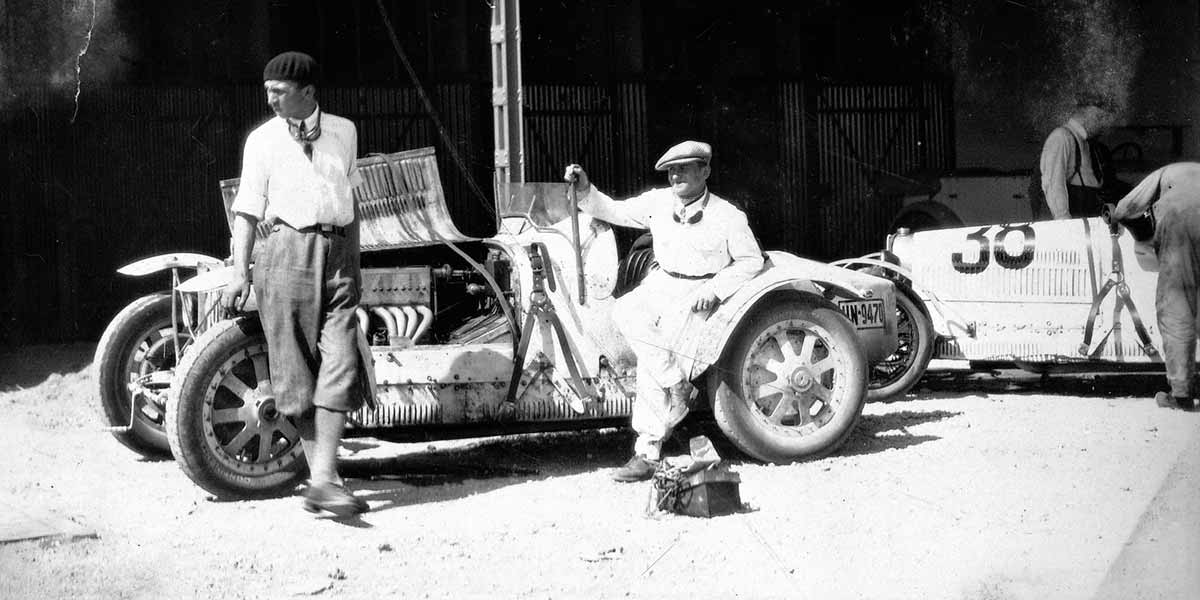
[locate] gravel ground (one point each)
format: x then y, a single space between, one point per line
971 487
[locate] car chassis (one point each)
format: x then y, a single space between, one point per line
472 336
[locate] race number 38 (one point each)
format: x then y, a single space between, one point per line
996 248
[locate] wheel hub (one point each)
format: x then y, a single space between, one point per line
267 413
801 379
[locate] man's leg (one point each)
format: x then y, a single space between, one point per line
1175 298
654 414
321 434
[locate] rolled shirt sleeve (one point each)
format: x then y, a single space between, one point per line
251 197
1057 162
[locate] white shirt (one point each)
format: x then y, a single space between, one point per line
1058 166
721 243
279 181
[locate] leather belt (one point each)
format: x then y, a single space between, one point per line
324 229
683 276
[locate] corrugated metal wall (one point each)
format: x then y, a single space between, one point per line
863 133
601 128
137 172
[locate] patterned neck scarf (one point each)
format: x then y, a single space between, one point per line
304 136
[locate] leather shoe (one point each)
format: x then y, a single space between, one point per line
681 393
639 468
333 498
1166 400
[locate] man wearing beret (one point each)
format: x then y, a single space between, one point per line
298 173
705 252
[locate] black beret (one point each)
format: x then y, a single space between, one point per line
292 66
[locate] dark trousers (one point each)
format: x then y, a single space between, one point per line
307 289
1176 299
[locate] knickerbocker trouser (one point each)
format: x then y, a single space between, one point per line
307 290
652 317
1176 300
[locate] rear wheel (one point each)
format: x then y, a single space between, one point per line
133 365
791 383
896 374
222 422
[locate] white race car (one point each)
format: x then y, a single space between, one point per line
1053 296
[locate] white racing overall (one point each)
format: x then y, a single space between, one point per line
717 253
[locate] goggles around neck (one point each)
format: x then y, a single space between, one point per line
692 220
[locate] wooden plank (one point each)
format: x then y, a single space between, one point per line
17 525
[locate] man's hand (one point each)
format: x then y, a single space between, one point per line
705 301
234 296
575 174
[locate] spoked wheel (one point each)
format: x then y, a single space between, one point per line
791 383
222 421
899 372
134 362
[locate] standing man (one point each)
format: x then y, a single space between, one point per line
1075 170
1172 194
705 252
298 172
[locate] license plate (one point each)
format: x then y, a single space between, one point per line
863 314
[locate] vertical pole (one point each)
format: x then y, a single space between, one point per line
507 119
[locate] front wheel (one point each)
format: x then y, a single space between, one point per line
133 366
222 423
896 374
791 383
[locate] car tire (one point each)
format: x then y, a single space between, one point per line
895 375
925 215
137 345
813 411
222 423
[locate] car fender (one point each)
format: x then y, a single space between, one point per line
211 282
808 280
163 262
946 321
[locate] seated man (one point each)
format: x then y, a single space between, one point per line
705 252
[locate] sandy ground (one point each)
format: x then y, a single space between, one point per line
971 487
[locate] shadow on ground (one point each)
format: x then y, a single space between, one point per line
30 366
487 464
878 433
953 384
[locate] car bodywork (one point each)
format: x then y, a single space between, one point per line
514 333
461 378
1064 295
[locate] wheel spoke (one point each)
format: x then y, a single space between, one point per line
786 401
822 366
767 391
239 441
785 346
822 393
235 385
264 446
262 371
228 415
287 430
806 349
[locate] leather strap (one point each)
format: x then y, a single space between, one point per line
685 276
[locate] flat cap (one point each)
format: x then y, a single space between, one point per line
291 66
683 152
